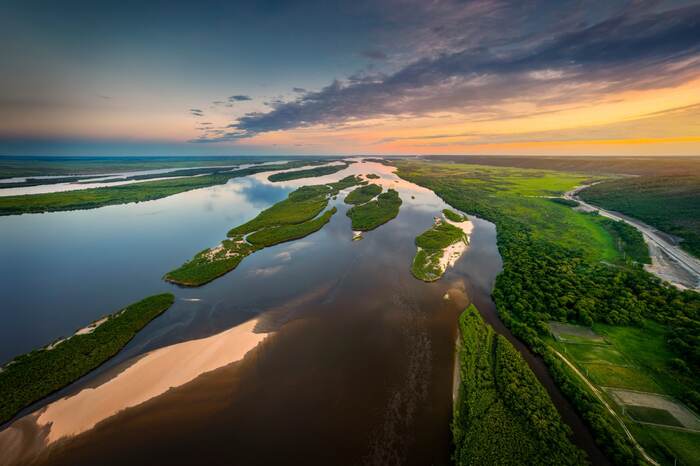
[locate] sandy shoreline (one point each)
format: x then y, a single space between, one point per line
152 374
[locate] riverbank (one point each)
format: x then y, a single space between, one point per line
91 198
550 251
33 376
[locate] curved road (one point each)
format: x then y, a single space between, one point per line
687 267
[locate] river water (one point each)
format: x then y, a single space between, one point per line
318 351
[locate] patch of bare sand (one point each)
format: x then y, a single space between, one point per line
152 375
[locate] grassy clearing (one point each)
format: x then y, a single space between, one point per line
639 359
668 446
310 173
503 415
35 375
290 219
375 213
363 194
137 192
669 203
562 265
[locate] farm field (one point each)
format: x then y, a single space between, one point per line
626 365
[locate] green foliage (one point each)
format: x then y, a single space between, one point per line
669 203
369 216
372 176
310 173
503 415
628 239
453 216
280 234
35 375
566 202
136 192
363 194
554 269
290 219
439 236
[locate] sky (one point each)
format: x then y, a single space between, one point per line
522 77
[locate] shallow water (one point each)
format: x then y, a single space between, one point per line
356 366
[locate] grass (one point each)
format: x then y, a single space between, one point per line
453 216
669 203
275 235
363 194
290 219
136 192
669 446
652 415
503 415
33 376
562 265
310 173
375 213
631 378
638 358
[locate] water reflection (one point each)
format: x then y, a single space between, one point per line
358 370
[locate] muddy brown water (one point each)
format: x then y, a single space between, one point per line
356 368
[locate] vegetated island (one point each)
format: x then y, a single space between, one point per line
669 203
34 375
440 246
502 414
363 194
563 265
372 214
372 176
290 219
137 192
310 173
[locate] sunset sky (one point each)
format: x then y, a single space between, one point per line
349 77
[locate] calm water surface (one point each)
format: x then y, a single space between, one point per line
356 358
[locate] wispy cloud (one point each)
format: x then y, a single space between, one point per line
196 112
239 98
630 50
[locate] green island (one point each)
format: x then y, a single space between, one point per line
372 176
453 216
136 192
363 194
290 219
373 214
431 245
669 203
562 265
34 375
310 173
502 414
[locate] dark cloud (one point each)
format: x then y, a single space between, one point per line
239 98
299 90
634 49
374 54
196 112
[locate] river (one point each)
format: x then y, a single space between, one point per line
318 351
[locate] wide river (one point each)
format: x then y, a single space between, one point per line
318 351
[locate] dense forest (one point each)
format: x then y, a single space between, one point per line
669 203
548 277
503 415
